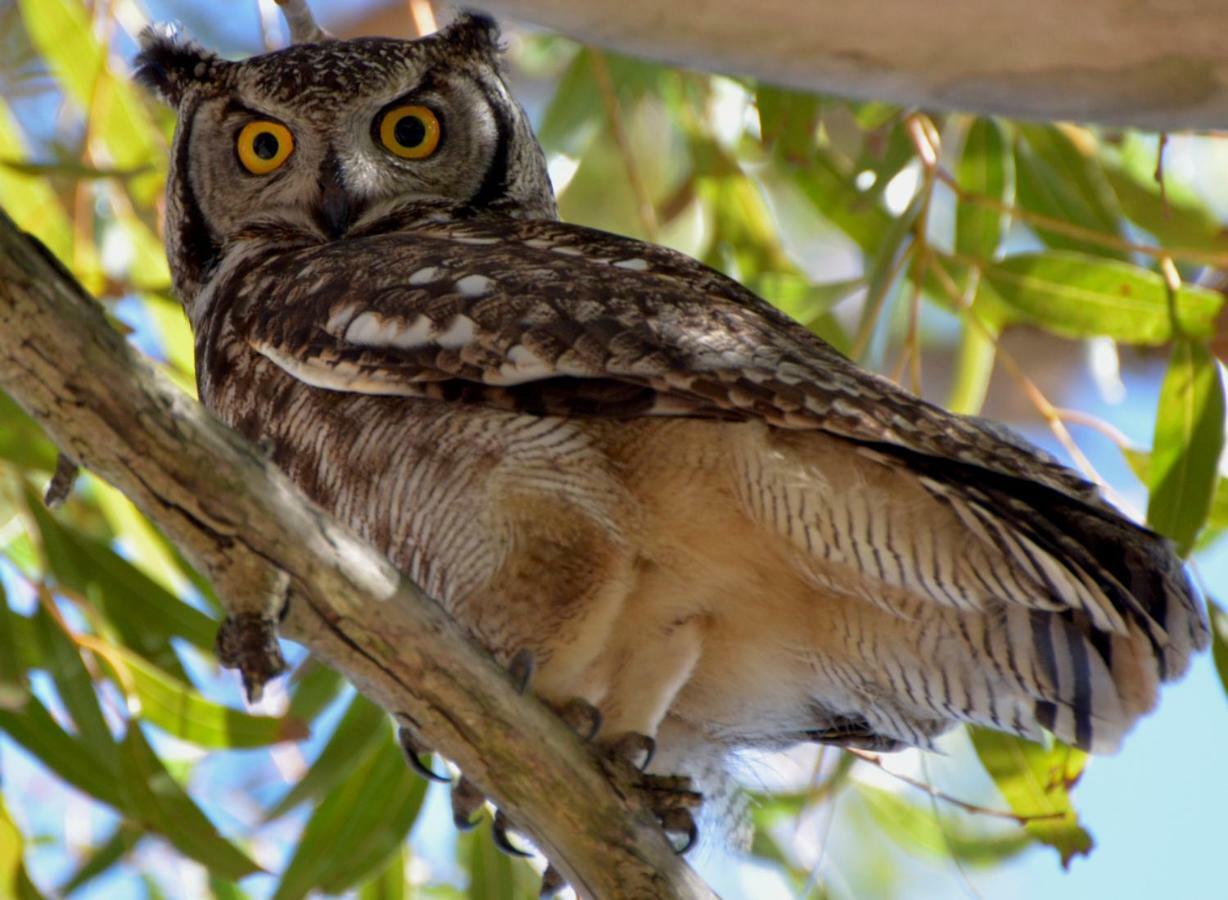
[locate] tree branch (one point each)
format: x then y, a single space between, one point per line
245 526
1151 65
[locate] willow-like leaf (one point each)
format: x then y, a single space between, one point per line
1189 438
1036 782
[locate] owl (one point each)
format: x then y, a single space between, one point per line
705 528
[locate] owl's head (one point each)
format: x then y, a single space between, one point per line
320 138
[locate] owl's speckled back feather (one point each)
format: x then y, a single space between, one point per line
694 513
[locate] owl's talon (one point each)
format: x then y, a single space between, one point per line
499 831
581 717
552 882
632 748
414 751
521 670
679 821
467 802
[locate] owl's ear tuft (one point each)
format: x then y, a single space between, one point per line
169 63
474 31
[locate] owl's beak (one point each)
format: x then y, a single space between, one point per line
335 211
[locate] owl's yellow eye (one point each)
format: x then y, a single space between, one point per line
410 132
263 146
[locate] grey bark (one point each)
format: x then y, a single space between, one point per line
1145 63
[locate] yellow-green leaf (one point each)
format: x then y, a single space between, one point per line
178 709
1189 437
1036 782
1080 296
984 169
62 32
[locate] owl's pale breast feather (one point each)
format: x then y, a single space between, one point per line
784 546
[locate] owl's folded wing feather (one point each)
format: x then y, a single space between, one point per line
549 318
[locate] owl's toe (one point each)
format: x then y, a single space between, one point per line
414 751
499 831
632 748
467 802
580 716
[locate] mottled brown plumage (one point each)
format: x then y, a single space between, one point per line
693 513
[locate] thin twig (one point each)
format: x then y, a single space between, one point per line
875 760
609 99
1069 229
423 15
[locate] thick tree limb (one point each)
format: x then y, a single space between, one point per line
244 525
1152 65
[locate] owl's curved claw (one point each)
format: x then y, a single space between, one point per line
581 717
632 748
499 831
552 882
414 750
679 821
467 802
521 670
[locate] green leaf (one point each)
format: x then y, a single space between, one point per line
155 800
1179 219
389 882
1058 179
358 826
62 32
882 271
787 121
179 710
65 754
12 853
316 686
354 739
75 686
1219 640
827 182
1036 782
145 614
1082 296
982 324
1189 437
101 859
14 685
493 875
916 828
984 169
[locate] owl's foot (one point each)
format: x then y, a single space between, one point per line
669 797
414 751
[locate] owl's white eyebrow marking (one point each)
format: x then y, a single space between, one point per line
458 333
473 285
635 264
425 276
340 318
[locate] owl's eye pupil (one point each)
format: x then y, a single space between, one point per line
410 132
265 145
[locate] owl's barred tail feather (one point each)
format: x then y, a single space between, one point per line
1124 615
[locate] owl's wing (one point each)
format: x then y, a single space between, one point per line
550 318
